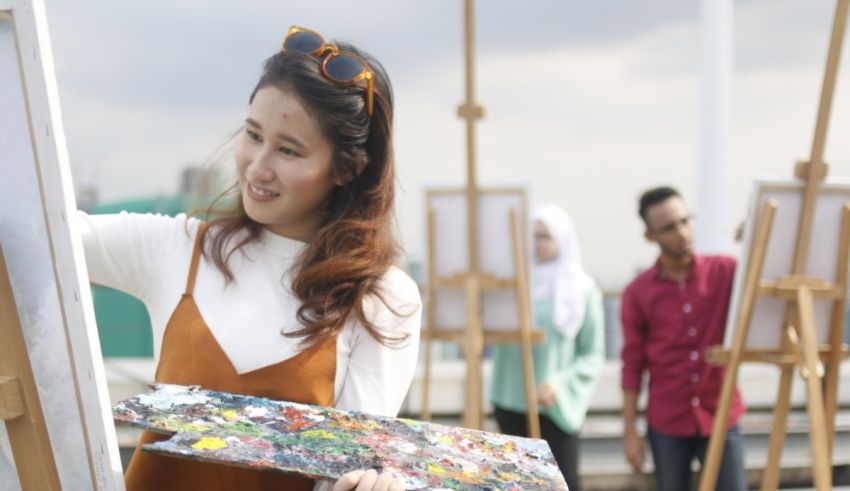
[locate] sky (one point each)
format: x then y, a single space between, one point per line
587 103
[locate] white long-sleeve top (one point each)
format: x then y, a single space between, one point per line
148 257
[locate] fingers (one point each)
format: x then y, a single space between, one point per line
348 481
368 480
546 395
388 482
634 462
635 454
630 450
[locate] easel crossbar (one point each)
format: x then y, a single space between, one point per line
786 288
721 356
490 337
486 282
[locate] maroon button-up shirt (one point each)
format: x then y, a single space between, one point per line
667 326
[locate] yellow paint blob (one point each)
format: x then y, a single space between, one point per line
508 476
193 427
230 414
209 443
436 469
318 434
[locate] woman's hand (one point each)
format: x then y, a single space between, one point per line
546 396
368 481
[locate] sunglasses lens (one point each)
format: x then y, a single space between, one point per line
303 42
344 68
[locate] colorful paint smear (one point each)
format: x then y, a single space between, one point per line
325 443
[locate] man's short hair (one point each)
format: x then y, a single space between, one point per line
653 197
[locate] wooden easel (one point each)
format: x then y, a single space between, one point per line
474 282
522 335
20 408
799 343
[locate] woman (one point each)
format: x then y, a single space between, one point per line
292 294
568 307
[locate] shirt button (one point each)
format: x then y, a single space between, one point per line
692 331
687 308
695 401
694 356
682 284
694 378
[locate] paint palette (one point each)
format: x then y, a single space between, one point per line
325 443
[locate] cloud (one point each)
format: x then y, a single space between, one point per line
782 33
192 51
587 102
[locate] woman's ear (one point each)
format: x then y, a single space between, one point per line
345 177
342 179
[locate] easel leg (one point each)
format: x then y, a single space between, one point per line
524 308
758 248
817 419
770 479
718 432
831 400
474 349
837 327
530 395
431 318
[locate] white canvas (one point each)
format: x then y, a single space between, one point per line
451 254
766 326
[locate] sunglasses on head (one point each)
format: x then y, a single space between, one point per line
341 67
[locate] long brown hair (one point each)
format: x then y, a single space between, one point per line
354 245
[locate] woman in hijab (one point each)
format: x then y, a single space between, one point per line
568 307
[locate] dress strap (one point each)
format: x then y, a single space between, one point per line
196 258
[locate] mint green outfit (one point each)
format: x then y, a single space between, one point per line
570 365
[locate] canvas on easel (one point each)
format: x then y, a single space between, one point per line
791 315
498 311
821 261
447 235
56 430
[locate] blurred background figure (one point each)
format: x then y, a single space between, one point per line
568 307
671 314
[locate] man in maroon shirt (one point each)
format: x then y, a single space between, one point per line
671 314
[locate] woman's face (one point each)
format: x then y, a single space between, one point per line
545 246
284 163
